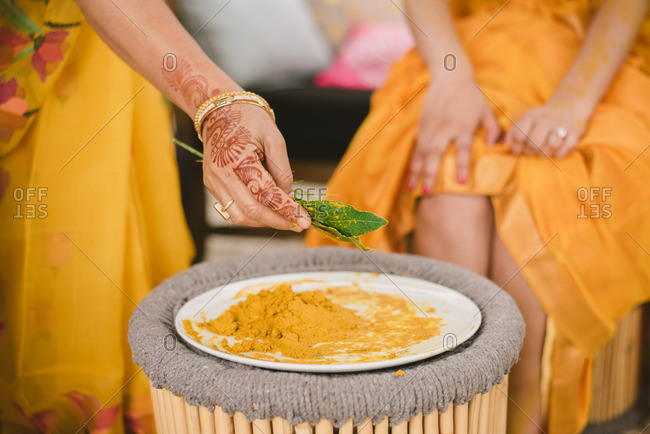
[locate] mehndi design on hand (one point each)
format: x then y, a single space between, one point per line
233 147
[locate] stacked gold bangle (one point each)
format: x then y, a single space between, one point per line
224 99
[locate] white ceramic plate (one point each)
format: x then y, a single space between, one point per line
461 317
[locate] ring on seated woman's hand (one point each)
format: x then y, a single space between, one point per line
222 209
561 132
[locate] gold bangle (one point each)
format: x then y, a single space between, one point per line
224 99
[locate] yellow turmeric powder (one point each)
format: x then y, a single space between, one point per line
317 326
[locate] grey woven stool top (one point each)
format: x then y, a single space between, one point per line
473 367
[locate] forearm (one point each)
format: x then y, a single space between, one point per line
436 40
604 49
146 34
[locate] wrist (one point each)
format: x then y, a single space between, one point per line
456 78
217 102
450 67
581 107
198 91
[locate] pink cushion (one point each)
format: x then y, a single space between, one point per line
366 56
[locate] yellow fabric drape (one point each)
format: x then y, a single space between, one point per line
90 221
589 271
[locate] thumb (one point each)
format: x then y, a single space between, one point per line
491 127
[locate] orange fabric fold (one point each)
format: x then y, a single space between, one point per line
588 266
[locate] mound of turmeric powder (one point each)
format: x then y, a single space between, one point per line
282 321
315 327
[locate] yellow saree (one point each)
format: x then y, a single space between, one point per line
580 218
90 220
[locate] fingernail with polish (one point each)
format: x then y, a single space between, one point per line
426 189
462 179
411 186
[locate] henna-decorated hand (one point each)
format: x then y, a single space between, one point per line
245 159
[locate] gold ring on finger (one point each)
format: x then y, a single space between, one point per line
222 210
228 205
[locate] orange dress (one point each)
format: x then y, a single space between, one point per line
580 218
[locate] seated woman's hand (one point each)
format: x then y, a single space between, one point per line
453 110
551 130
245 160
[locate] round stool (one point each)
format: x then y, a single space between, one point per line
460 391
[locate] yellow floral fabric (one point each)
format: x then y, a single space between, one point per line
90 221
34 38
576 226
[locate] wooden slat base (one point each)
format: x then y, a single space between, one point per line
617 372
483 414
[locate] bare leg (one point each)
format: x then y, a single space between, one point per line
460 229
524 409
455 228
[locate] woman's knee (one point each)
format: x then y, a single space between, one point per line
446 213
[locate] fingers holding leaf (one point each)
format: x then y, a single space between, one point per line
262 186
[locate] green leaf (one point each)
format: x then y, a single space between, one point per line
11 12
333 234
343 217
340 221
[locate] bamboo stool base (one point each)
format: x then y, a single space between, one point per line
483 414
617 374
